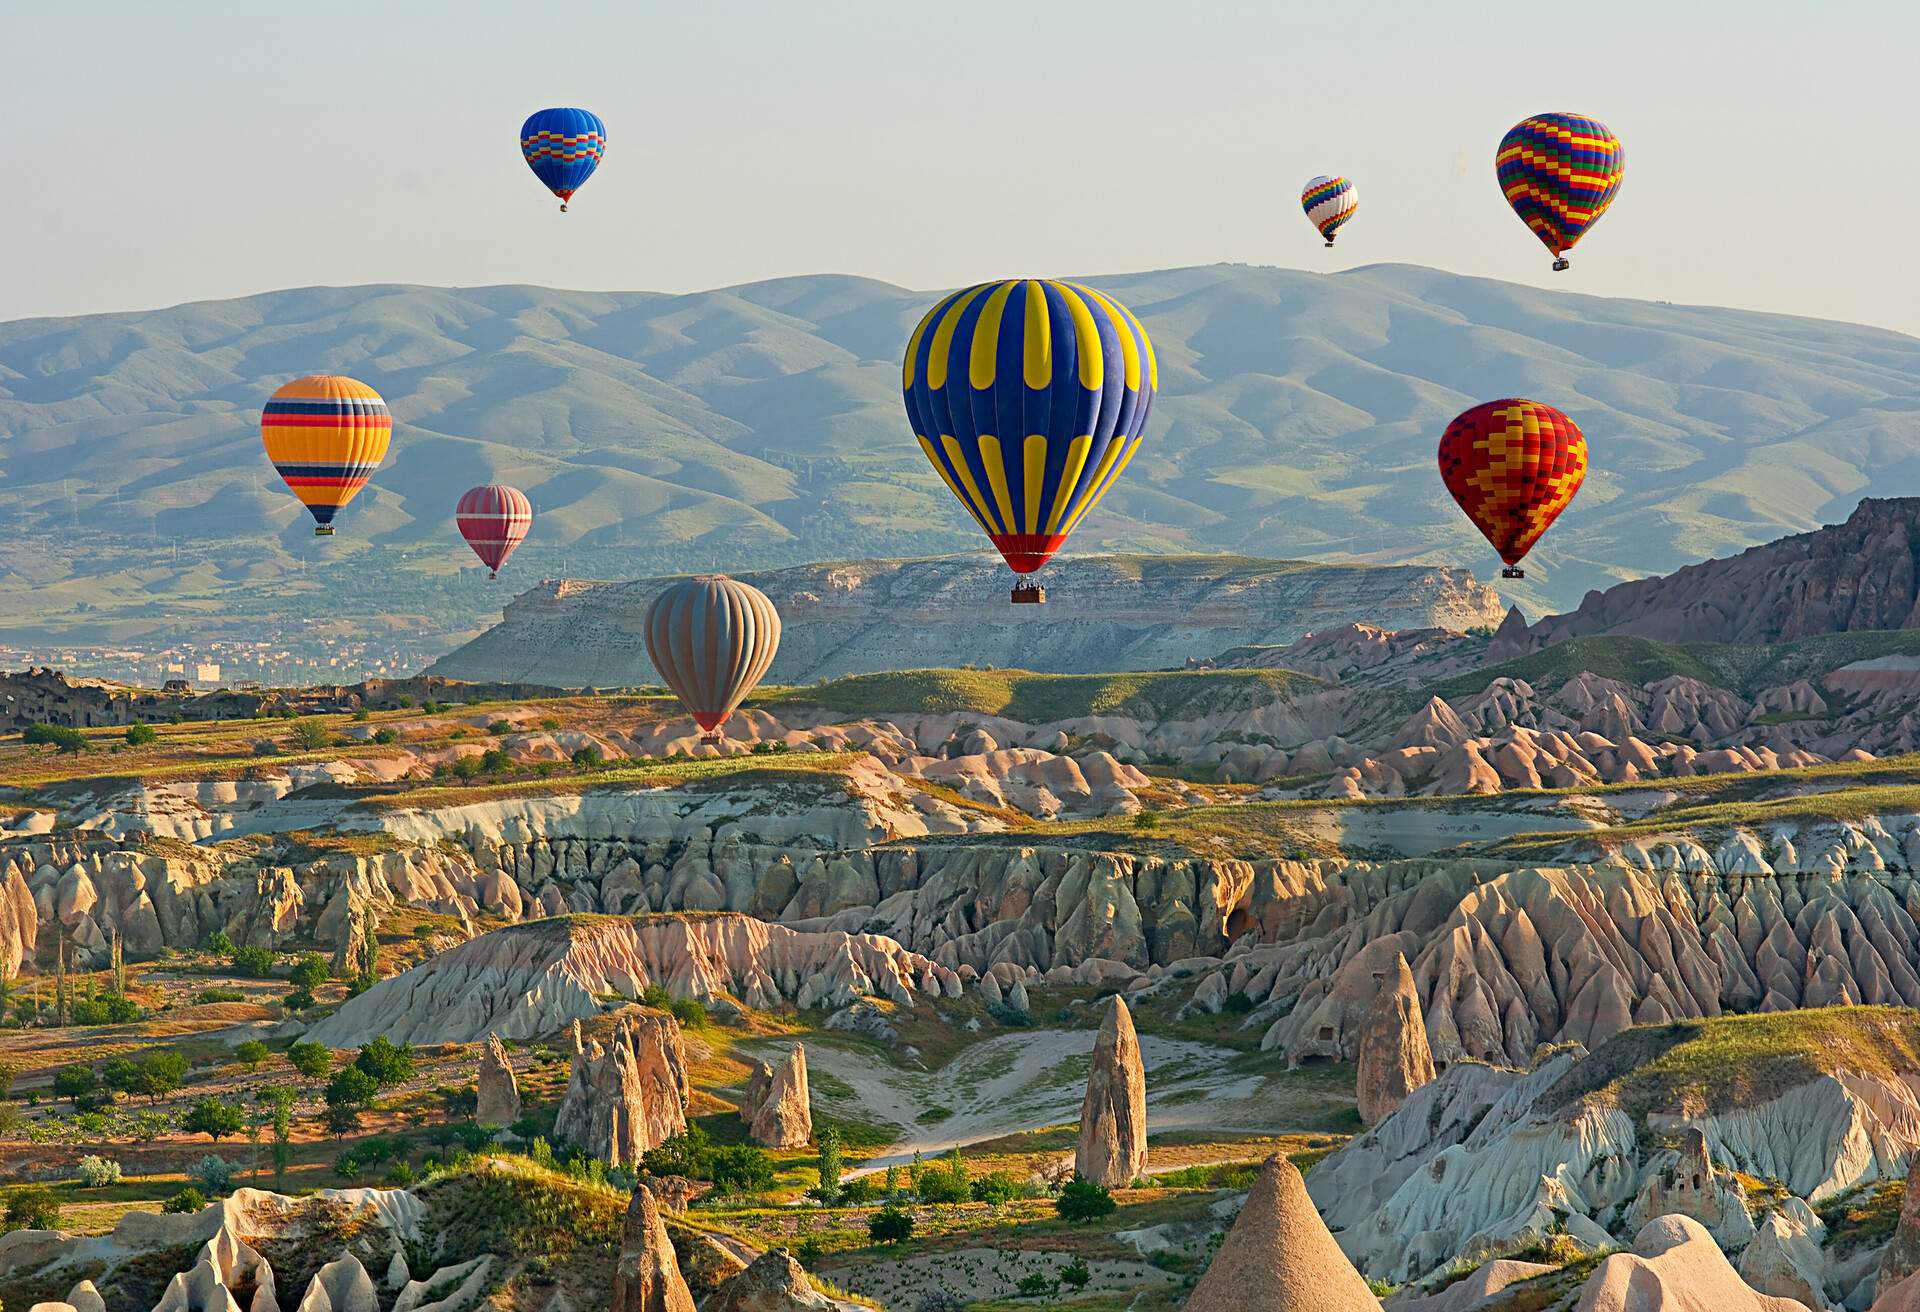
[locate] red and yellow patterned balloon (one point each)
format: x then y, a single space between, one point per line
1513 466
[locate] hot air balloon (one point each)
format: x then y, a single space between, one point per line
563 147
1513 466
712 639
1329 202
1560 172
325 436
494 520
1029 397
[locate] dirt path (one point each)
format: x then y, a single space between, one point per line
1033 1078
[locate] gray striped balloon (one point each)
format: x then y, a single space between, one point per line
712 639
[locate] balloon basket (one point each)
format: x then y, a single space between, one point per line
1329 243
1029 594
1510 572
323 530
713 739
1561 266
493 574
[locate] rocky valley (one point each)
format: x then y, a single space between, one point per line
1570 966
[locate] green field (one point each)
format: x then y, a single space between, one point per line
1044 698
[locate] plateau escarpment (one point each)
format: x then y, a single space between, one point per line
854 617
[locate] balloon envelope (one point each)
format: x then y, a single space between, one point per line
1559 172
1513 466
712 639
325 435
1329 202
494 520
563 147
1029 398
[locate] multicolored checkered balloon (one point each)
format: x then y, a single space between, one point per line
1559 172
1513 466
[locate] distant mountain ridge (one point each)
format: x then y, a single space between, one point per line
761 425
857 617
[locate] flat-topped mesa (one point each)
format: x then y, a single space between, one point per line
1116 612
1112 1149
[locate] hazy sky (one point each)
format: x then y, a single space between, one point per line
157 153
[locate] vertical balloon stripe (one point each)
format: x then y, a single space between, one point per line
1035 479
1069 479
911 364
957 459
986 338
939 462
713 639
996 471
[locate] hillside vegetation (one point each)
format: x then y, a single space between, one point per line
761 425
1044 698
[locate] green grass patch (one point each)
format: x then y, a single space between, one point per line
1043 698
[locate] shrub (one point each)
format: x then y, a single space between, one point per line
1083 1200
466 767
252 963
187 1200
341 1119
205 996
549 724
588 758
400 1175
1146 820
1076 1273
266 747
386 1063
861 1189
385 735
740 1168
214 1117
310 972
493 761
7 1072
141 735
944 1186
32 1207
346 1166
161 1072
995 1188
251 1053
63 739
212 1175
890 1225
298 999
109 1010
313 1060
310 734
1037 1285
362 715
98 1172
499 727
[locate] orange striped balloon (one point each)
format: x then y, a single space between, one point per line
325 435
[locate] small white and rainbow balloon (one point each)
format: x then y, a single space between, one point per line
1329 202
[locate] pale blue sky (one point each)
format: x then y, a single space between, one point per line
158 153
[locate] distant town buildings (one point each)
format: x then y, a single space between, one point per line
284 657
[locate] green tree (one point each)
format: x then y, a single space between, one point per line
1076 1273
310 972
252 1053
1083 1200
311 734
740 1168
281 1098
161 1072
141 735
188 1200
995 1188
385 1062
313 1060
352 1087
341 1120
32 1207
62 739
7 1071
214 1117
252 963
830 1163
890 1225
74 1083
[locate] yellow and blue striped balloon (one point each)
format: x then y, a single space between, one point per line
1029 397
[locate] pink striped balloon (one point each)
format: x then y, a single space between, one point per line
494 520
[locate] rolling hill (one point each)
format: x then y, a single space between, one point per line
759 426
